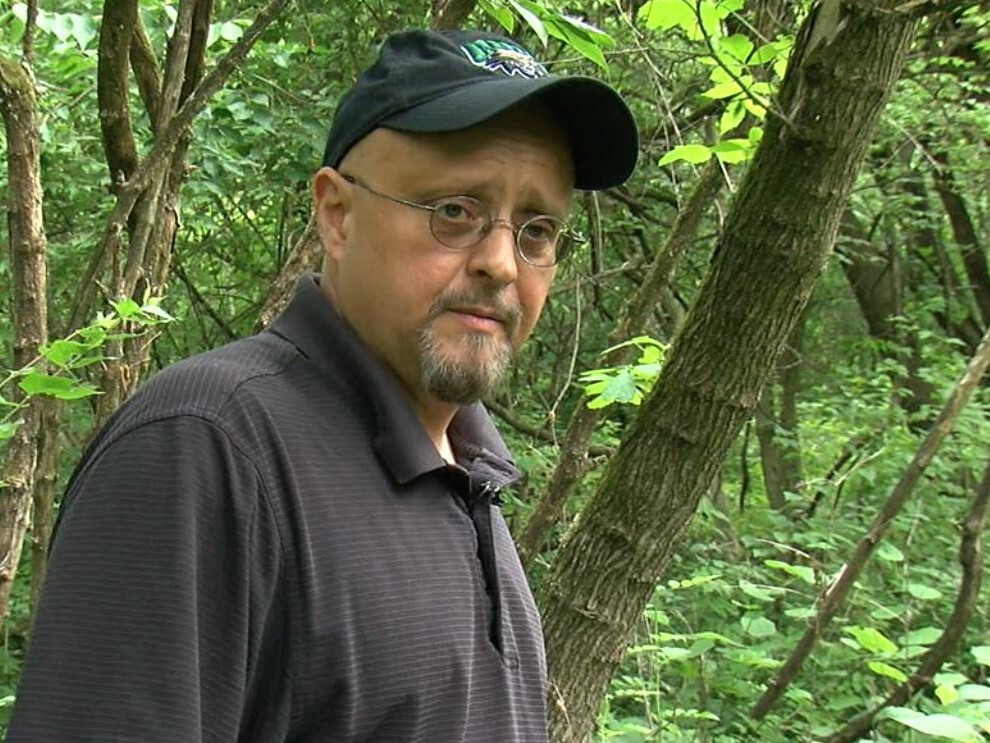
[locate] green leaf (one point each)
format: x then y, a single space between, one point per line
890 553
157 311
230 32
952 678
576 39
945 726
502 15
61 352
532 20
126 308
923 592
692 153
62 26
766 53
733 150
974 692
946 694
757 625
921 636
737 45
660 15
710 14
620 388
982 654
883 669
732 117
872 640
723 90
63 388
9 428
758 592
798 571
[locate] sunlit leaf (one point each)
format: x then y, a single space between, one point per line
692 153
660 15
884 669
532 20
872 640
946 694
63 388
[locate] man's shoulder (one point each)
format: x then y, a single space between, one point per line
209 384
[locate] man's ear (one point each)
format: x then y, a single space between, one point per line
331 205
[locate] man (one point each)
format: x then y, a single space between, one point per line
296 537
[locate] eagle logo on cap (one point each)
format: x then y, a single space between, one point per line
503 57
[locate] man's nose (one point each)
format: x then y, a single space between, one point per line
496 255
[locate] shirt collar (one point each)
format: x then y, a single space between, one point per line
317 330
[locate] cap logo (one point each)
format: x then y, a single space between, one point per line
505 57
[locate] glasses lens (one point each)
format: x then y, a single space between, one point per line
458 222
542 241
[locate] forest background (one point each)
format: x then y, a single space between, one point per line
758 387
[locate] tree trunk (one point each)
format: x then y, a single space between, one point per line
776 428
778 233
573 460
29 269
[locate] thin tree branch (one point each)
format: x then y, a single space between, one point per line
112 90
165 144
304 256
147 73
30 23
450 14
540 434
836 592
971 560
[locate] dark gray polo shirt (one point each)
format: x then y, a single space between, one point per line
263 545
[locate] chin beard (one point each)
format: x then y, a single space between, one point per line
464 378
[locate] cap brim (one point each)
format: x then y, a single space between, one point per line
601 128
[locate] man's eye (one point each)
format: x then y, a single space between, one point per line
541 230
457 211
453 211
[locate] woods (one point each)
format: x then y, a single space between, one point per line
752 418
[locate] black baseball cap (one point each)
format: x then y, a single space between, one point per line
443 81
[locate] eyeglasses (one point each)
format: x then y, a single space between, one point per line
461 222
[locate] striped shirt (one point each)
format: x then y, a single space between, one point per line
263 545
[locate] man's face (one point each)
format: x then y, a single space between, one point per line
446 321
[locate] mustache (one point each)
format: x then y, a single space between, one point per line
509 313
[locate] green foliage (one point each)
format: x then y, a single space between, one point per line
627 383
742 74
546 22
55 372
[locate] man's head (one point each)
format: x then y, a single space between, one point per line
443 202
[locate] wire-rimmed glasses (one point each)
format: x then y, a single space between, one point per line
461 222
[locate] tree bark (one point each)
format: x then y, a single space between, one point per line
835 593
974 257
450 14
573 460
776 428
29 280
778 233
